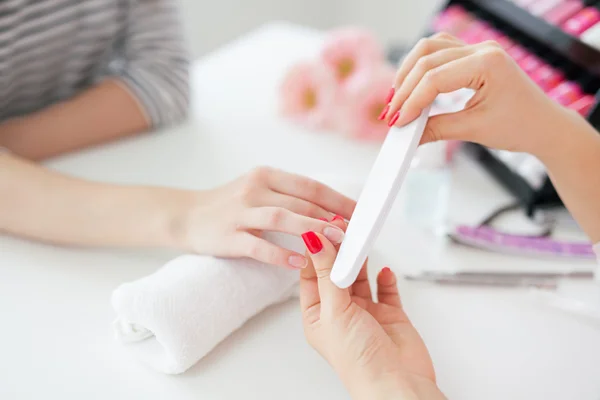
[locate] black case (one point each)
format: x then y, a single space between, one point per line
583 65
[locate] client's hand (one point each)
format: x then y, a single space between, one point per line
508 111
373 346
228 221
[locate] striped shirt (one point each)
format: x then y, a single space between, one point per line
50 50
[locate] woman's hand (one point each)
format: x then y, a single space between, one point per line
373 347
228 221
508 110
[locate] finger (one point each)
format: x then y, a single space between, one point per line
322 254
311 191
309 292
361 286
422 48
422 66
268 253
279 219
465 72
340 223
453 126
294 204
387 288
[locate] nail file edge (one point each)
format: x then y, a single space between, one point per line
379 192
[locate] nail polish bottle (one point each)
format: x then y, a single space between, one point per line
548 76
541 7
584 105
477 26
517 52
565 10
530 63
566 93
582 21
453 20
427 188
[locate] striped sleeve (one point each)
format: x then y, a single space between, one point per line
156 62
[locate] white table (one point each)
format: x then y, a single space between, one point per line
56 339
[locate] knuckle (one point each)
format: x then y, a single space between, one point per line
493 57
443 36
424 45
310 188
276 217
424 64
431 77
259 174
491 44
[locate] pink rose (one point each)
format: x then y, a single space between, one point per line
364 104
308 94
351 53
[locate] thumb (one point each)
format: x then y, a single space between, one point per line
322 254
452 126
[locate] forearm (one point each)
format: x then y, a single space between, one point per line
396 388
102 113
572 155
47 206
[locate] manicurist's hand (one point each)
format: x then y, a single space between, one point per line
508 111
372 345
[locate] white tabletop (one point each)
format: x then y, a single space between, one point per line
56 339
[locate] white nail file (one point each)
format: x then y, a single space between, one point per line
376 199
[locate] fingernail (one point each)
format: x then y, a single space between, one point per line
323 219
390 95
384 112
386 270
394 118
335 235
337 217
312 242
298 262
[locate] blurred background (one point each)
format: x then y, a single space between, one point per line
212 24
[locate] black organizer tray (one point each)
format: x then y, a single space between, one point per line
551 40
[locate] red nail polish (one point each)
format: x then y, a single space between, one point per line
394 118
384 113
312 242
323 219
390 95
337 217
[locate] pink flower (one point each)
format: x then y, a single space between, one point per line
308 94
352 52
364 103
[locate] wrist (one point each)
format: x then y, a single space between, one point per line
567 134
177 213
395 386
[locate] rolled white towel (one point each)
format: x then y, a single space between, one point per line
174 317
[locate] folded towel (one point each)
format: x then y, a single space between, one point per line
174 317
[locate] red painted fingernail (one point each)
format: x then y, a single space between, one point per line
384 112
312 242
390 95
394 118
337 217
323 219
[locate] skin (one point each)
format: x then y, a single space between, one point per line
227 221
372 345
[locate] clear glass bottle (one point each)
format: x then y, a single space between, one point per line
427 188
